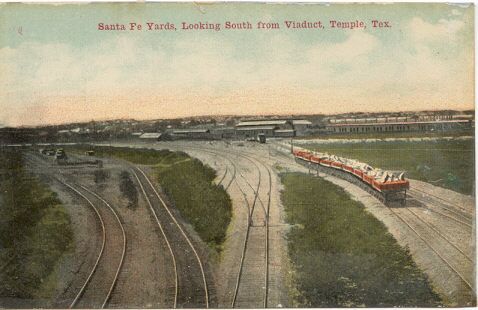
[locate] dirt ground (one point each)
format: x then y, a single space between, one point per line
433 227
145 261
143 280
429 224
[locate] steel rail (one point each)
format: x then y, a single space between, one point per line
223 176
123 253
165 238
266 212
183 233
454 208
266 280
433 249
246 237
432 227
80 293
217 154
444 201
426 203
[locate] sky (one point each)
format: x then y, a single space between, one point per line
57 67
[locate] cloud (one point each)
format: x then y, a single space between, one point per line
455 12
443 30
134 76
359 43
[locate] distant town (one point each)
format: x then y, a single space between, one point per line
244 128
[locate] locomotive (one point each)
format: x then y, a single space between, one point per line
388 186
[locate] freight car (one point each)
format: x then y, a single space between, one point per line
388 186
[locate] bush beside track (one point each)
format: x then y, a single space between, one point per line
189 185
343 256
35 233
449 164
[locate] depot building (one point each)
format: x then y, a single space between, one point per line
271 128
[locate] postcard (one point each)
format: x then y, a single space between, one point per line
237 155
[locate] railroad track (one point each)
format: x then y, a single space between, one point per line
226 170
96 290
459 263
444 201
223 176
440 234
187 279
168 244
256 239
124 243
248 290
455 260
191 286
445 211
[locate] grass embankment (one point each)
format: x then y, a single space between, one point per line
35 232
342 255
449 164
189 185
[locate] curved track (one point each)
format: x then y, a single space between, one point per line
455 258
442 209
168 244
123 253
256 238
191 284
97 288
99 285
444 202
456 262
443 235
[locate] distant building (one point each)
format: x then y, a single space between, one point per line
252 131
223 132
194 134
301 126
151 136
271 128
284 133
418 126
277 123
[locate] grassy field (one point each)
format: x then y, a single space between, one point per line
137 156
343 256
449 164
35 232
189 185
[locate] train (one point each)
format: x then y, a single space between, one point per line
388 186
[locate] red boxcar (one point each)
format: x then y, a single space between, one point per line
315 159
336 164
358 173
393 186
367 179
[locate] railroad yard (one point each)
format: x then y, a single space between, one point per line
309 161
145 254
